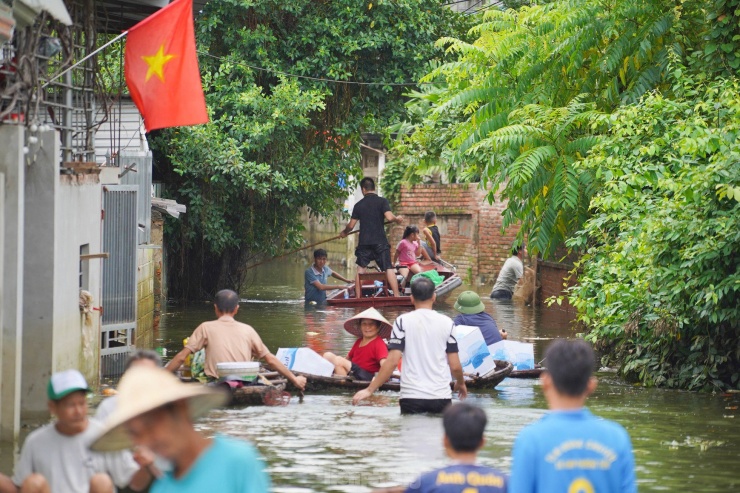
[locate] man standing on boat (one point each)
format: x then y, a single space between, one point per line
371 212
424 338
229 341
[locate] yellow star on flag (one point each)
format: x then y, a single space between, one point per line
156 64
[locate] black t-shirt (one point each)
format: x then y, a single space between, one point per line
370 211
435 235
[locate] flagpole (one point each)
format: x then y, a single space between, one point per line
124 33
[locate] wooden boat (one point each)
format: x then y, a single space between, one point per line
316 383
372 294
271 391
259 394
533 373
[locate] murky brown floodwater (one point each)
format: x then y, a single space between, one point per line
682 441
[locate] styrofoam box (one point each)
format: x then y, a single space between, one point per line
520 354
474 354
305 360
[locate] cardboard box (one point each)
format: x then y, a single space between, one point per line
474 354
520 354
305 360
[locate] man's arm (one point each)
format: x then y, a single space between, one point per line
453 359
275 364
6 485
393 218
327 287
386 370
141 479
178 360
347 229
524 462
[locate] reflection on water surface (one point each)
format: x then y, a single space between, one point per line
682 441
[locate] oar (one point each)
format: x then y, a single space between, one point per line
299 249
304 248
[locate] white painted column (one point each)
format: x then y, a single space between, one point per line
381 167
11 336
40 271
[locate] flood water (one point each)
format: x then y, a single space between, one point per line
682 441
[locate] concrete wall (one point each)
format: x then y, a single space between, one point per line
470 227
77 341
62 222
11 336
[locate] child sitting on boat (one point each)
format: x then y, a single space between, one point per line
369 351
408 249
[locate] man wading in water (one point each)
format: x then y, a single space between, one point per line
373 244
429 349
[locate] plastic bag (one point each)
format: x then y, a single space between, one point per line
435 276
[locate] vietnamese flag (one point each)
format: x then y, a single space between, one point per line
161 68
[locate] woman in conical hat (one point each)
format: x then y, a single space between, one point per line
369 351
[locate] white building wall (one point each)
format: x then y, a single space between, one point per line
62 214
11 324
78 223
123 131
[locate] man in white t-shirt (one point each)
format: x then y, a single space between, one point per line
56 457
425 339
510 274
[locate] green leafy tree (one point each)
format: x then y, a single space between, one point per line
277 143
554 57
660 279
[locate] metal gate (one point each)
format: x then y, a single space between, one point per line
119 277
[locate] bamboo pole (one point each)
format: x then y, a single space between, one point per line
300 249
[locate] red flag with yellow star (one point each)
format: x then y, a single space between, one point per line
161 68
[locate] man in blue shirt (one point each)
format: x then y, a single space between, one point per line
570 449
316 276
464 425
473 313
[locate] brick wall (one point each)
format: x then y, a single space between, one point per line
160 278
470 227
555 278
145 297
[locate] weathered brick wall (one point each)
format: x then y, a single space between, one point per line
470 227
159 282
145 297
555 277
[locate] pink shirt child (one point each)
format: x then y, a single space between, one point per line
407 252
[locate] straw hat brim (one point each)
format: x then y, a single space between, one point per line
144 389
353 324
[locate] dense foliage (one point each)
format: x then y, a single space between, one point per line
278 143
660 281
605 124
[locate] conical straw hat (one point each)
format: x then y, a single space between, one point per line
353 324
144 389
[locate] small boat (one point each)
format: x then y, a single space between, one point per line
489 381
259 394
374 288
269 391
533 373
